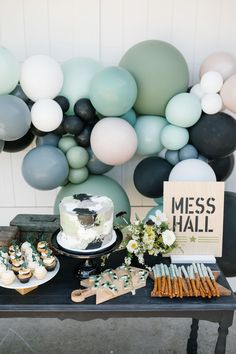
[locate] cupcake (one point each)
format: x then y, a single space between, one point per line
42 246
25 246
50 263
8 277
32 264
16 264
4 254
24 275
40 272
13 249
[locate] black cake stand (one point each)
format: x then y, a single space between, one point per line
89 263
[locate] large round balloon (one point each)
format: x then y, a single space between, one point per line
160 71
98 185
228 93
148 130
45 167
113 91
95 166
46 115
19 144
192 170
227 261
41 77
223 167
9 71
183 110
223 63
214 135
78 73
15 118
113 141
150 174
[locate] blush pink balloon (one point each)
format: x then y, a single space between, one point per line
113 141
228 93
222 62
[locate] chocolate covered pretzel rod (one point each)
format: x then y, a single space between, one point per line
213 281
179 279
185 273
208 280
167 273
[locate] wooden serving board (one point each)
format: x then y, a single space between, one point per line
110 286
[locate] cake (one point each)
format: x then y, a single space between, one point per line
86 222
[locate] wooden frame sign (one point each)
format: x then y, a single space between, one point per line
195 213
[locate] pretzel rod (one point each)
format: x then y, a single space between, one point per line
163 279
184 287
202 292
203 279
168 281
187 281
211 286
192 280
176 285
213 281
179 281
172 282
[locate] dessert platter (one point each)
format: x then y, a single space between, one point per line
25 266
86 231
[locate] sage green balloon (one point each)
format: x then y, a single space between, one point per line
66 143
77 157
173 137
78 175
160 71
98 185
78 73
9 71
148 130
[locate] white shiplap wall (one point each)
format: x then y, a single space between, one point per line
104 30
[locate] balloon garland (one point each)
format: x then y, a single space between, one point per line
87 119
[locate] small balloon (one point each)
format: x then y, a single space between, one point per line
188 152
83 139
66 143
173 137
211 103
36 131
172 156
46 115
197 91
73 125
130 117
77 176
77 157
211 82
84 109
48 139
63 103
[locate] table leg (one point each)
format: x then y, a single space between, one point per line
223 331
192 341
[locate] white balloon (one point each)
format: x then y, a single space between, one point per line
113 141
211 82
192 170
197 90
211 103
41 77
46 115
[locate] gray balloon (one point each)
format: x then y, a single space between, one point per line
202 158
45 167
2 143
95 166
15 118
18 92
188 152
48 139
172 156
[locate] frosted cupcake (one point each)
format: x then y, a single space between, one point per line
8 277
50 263
42 246
24 275
40 272
25 246
16 264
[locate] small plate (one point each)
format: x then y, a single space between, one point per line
63 245
33 282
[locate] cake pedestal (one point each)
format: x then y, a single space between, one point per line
88 263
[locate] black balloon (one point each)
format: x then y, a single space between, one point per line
19 144
150 174
93 121
223 167
214 135
73 125
36 131
30 104
18 92
227 261
63 103
83 139
60 130
84 109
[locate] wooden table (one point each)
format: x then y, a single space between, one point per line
53 300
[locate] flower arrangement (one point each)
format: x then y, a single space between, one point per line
153 237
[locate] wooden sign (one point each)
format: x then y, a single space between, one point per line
195 213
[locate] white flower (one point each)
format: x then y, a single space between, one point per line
168 237
132 246
127 261
158 218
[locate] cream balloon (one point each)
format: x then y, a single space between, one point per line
222 62
192 170
46 115
228 93
113 141
211 82
211 103
41 77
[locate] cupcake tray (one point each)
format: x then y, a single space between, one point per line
33 283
